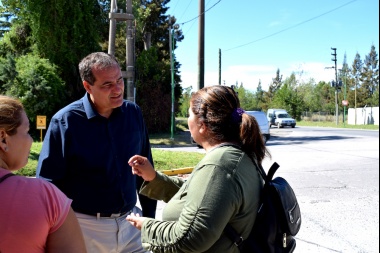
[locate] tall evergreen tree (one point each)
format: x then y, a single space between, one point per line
274 87
356 73
370 77
259 98
64 31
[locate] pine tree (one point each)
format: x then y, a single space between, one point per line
274 87
370 77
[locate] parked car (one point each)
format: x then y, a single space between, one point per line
262 120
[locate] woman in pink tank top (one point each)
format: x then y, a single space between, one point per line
34 215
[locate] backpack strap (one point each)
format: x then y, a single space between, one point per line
6 176
229 230
233 235
271 171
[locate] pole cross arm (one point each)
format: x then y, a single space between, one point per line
121 16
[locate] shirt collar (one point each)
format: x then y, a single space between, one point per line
89 109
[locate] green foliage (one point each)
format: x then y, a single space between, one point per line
167 160
151 95
287 97
43 29
334 125
62 40
185 103
163 160
29 169
273 88
247 99
259 103
17 41
38 86
153 71
8 73
369 76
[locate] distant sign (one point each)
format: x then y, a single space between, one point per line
345 102
41 122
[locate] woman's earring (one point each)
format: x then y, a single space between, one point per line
6 149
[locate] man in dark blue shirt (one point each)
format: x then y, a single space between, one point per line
86 151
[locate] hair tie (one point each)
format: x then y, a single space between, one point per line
237 115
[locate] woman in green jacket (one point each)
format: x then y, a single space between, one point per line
223 188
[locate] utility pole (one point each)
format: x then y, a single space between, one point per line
336 87
130 54
201 46
118 15
172 28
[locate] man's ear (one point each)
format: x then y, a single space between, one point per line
3 141
87 86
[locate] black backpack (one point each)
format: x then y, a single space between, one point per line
278 218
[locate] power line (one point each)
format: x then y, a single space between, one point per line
201 13
176 5
187 7
286 29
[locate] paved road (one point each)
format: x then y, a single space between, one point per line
335 175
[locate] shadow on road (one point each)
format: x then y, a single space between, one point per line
292 140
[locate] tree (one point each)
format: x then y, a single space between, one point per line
8 73
5 23
356 72
17 41
259 98
151 18
246 98
62 40
370 77
184 103
273 88
287 97
38 86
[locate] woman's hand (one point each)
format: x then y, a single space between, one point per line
135 220
142 167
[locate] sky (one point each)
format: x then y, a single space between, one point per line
258 37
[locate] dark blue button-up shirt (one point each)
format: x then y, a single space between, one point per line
86 155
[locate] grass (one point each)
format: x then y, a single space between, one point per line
167 160
333 124
163 160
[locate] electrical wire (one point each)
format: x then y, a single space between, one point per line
201 13
294 26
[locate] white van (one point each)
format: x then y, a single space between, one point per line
261 119
280 118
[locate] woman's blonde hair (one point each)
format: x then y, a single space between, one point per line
10 114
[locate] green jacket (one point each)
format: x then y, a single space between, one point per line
223 188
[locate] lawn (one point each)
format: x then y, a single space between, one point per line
168 160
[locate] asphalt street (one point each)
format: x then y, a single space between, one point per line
335 175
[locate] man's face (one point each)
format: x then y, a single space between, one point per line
107 91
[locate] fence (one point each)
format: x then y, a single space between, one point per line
360 116
320 117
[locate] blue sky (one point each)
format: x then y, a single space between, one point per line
258 37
